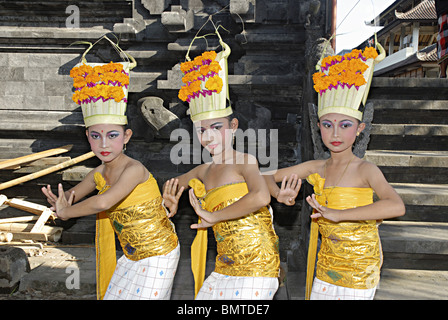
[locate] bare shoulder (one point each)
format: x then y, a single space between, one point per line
370 173
136 169
367 167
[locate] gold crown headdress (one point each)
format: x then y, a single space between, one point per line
206 84
102 89
343 82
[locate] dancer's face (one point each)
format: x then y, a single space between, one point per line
339 131
215 135
107 140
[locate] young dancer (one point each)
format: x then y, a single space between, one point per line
227 193
128 202
350 255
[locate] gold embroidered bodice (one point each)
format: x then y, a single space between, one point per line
350 253
247 246
140 221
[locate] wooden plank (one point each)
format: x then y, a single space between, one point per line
19 219
26 206
42 220
22 231
35 156
41 173
3 198
17 235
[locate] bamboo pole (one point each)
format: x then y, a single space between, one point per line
35 156
46 171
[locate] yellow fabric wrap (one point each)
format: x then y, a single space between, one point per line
350 253
248 246
199 245
141 224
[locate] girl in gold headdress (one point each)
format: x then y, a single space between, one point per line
350 256
227 193
128 202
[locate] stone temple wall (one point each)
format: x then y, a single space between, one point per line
272 44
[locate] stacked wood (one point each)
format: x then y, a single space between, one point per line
33 227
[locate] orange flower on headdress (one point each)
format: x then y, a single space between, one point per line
209 55
186 66
346 70
214 83
94 82
191 76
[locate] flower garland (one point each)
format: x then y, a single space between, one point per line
100 82
202 68
344 70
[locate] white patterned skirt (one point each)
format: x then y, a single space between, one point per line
150 278
326 291
221 287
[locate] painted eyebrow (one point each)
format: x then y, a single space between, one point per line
214 124
109 132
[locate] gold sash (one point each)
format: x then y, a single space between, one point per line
350 254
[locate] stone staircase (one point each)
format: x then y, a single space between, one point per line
409 143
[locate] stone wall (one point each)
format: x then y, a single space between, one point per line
271 43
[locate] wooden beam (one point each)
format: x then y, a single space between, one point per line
35 156
46 171
47 213
19 219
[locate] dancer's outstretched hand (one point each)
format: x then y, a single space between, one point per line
321 211
171 197
62 203
289 190
207 218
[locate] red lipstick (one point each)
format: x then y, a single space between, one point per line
336 143
105 153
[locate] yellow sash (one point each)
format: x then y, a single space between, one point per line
199 245
344 198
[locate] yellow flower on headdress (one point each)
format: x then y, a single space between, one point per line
370 53
183 93
186 66
191 76
198 61
214 83
116 93
346 70
209 55
92 78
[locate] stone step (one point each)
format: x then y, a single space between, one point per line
395 284
404 104
408 158
405 284
422 194
410 129
384 88
414 237
406 84
30 120
408 142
